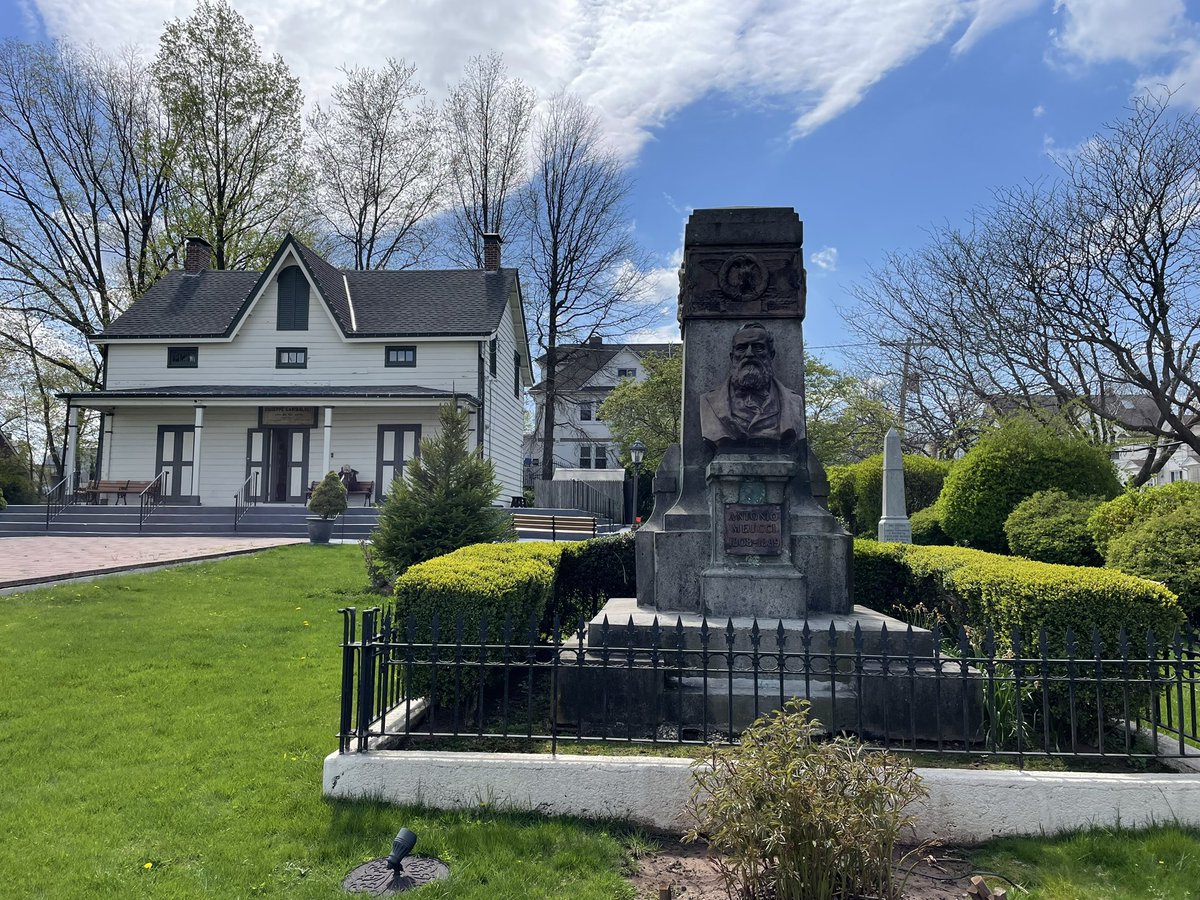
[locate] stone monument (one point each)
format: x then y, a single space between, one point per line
746 531
741 542
894 526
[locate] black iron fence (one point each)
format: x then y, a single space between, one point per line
485 684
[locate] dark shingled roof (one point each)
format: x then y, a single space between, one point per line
411 303
578 363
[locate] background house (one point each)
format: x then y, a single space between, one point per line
587 373
225 379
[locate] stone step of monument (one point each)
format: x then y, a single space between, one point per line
864 631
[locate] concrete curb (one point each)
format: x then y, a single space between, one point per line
965 806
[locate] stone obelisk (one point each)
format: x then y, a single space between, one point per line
894 526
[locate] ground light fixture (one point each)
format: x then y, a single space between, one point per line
396 872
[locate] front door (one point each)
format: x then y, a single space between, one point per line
397 444
287 465
176 445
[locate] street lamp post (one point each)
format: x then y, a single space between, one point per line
637 453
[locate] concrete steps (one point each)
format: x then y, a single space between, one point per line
181 521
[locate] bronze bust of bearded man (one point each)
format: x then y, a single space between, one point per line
752 405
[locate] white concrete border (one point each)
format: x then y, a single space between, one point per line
965 805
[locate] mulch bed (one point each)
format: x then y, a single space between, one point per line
692 876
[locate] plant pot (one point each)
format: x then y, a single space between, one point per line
319 530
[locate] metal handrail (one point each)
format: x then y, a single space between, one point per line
242 501
588 493
59 497
151 497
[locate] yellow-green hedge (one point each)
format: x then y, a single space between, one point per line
974 588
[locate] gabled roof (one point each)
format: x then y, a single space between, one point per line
409 303
579 363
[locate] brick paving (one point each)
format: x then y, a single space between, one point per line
30 560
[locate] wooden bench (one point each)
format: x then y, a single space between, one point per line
570 527
94 489
366 488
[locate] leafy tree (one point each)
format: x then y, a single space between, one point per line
487 118
376 150
444 503
845 421
585 273
1010 463
1076 293
649 411
240 169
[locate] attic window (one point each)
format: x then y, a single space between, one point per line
400 356
291 357
292 314
627 373
183 357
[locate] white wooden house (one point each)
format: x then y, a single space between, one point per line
267 380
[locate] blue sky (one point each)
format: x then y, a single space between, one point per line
873 118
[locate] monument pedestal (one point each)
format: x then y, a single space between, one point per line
864 673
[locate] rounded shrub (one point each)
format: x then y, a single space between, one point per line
927 527
329 497
1165 548
1051 526
841 494
1009 464
1137 506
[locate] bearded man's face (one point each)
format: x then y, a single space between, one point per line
751 355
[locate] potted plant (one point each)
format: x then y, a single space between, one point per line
327 503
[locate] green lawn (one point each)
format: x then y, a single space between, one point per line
161 736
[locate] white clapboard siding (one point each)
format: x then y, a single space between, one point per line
249 359
504 414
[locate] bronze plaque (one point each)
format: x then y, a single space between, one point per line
296 416
754 529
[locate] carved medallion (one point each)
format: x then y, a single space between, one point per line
743 278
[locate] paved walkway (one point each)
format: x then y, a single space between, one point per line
33 560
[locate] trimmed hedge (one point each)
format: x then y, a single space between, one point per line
1166 549
856 491
927 527
986 590
1009 464
1052 527
589 572
1135 507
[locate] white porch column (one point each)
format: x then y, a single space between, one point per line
328 444
196 440
72 442
108 454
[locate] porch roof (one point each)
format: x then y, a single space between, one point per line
191 392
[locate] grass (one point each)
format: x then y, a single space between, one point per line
161 735
1160 863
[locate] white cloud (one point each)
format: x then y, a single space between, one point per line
666 333
638 61
1135 31
826 258
1039 111
990 15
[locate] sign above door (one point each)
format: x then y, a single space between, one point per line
290 416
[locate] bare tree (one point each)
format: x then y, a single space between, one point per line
239 178
585 273
379 163
487 121
1078 295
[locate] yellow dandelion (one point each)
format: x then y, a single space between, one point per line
306 622
148 865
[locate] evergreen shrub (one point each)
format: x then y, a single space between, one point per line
15 484
1052 527
444 503
927 527
982 590
856 490
589 572
1009 464
1165 548
3 502
1137 506
328 497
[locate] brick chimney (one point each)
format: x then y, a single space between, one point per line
491 252
198 256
